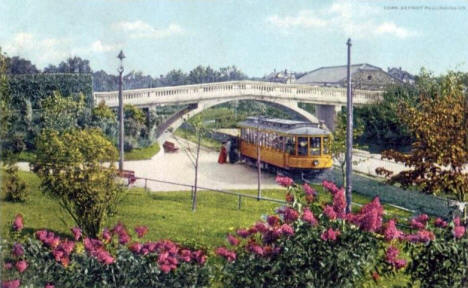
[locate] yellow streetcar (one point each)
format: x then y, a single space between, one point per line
286 146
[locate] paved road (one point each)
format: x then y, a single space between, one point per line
178 167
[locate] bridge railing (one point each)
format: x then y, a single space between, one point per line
234 88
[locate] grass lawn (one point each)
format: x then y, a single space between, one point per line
143 153
205 141
168 215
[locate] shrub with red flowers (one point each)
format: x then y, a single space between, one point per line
311 244
438 254
305 245
114 260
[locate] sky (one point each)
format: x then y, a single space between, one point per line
256 36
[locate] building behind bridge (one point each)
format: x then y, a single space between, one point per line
363 76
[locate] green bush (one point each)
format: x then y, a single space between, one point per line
442 262
14 188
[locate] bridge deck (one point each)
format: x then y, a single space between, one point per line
256 90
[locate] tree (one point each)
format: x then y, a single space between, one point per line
13 186
60 113
338 147
383 128
439 130
5 111
18 65
71 168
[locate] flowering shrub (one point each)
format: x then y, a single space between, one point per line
439 257
307 244
113 260
303 245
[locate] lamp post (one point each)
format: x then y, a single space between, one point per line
349 133
121 56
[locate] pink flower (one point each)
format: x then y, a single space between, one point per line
18 250
104 257
339 203
284 181
135 247
124 237
456 221
18 223
440 223
308 216
287 230
141 231
106 235
290 215
309 191
49 285
330 186
76 233
330 234
255 248
243 233
399 263
223 252
232 240
7 265
261 227
11 284
419 222
422 236
21 266
459 231
165 268
185 255
391 232
273 220
330 212
199 256
391 254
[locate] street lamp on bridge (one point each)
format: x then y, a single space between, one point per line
121 56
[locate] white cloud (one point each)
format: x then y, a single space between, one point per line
98 46
40 51
354 19
140 29
45 51
305 19
392 29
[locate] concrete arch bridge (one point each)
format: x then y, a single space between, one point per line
199 97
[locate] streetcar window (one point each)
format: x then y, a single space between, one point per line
302 146
290 145
314 145
326 145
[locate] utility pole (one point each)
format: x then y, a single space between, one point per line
259 169
349 133
121 56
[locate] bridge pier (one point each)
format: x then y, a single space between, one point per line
327 114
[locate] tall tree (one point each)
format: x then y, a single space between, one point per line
439 130
18 65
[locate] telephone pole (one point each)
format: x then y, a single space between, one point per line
121 56
349 134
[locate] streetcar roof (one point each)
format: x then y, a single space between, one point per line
283 126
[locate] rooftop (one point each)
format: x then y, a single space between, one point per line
333 74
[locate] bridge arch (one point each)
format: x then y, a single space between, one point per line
202 105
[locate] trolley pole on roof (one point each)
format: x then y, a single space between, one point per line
349 133
121 56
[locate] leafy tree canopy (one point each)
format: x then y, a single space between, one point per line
439 127
72 170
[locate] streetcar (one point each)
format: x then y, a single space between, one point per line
287 147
